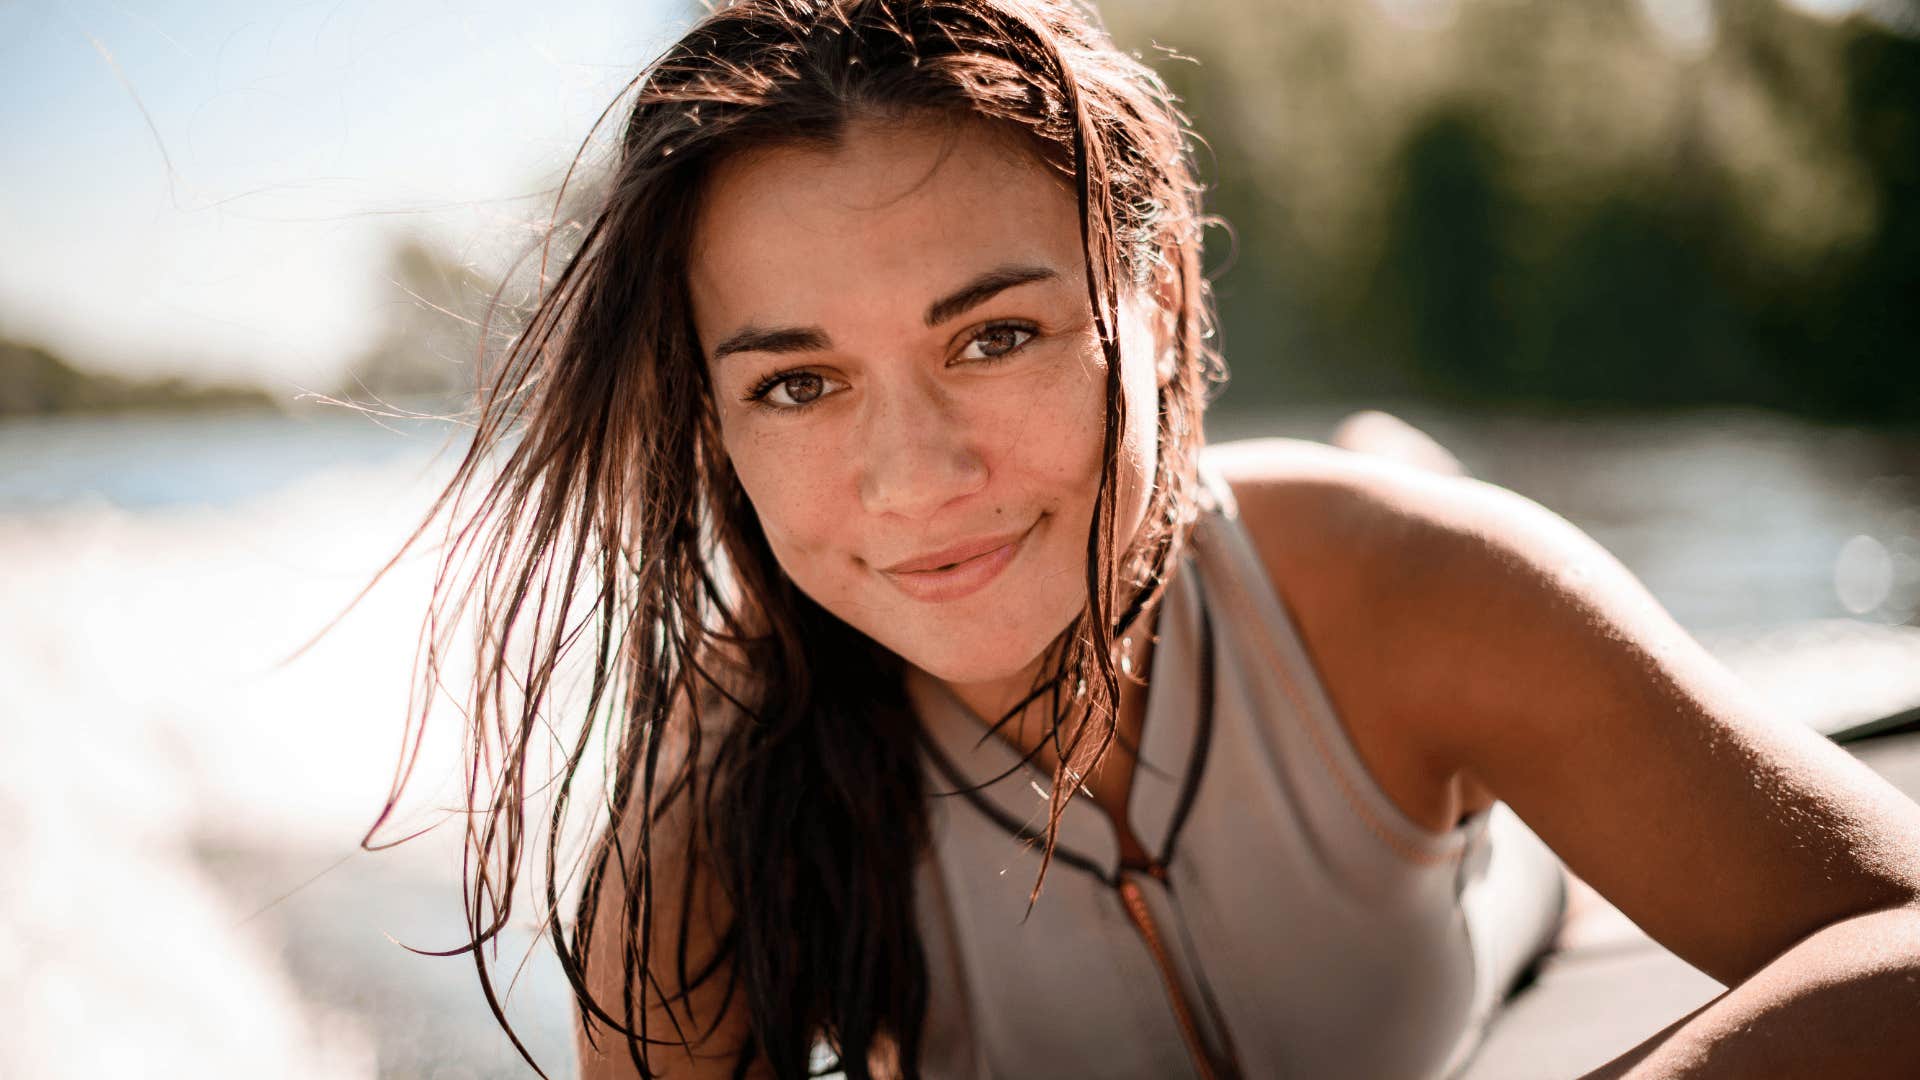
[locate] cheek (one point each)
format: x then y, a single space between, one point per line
792 483
1040 437
1061 425
1075 417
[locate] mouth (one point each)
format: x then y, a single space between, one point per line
959 570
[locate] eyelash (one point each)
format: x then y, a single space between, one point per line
756 396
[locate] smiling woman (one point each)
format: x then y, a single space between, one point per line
861 439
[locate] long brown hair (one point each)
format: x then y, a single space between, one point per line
595 506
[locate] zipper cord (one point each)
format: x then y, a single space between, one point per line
1136 905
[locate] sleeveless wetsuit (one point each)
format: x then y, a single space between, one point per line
1294 922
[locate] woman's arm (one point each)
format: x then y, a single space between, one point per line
1525 661
1841 1003
1743 841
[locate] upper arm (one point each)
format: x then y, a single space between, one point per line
1539 666
1520 657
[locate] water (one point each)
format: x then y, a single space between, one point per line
170 785
145 462
179 798
1732 519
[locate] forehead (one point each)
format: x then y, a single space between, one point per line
878 224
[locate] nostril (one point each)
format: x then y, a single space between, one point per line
918 455
917 484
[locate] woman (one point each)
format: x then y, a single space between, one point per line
862 433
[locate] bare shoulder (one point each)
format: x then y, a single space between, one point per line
1354 495
1483 642
1372 527
1450 576
1374 558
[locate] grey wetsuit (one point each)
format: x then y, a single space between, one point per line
1294 921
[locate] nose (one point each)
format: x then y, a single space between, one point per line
917 453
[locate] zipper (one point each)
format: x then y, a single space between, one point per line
1137 910
1208 1067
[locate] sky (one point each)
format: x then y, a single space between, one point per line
208 188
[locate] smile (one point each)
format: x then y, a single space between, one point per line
958 571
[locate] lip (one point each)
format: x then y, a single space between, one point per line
959 570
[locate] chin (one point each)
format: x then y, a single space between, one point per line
997 658
968 670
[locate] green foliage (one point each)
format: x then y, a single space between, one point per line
34 381
1556 204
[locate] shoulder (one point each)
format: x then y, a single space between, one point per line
1374 527
1416 592
1520 660
1358 529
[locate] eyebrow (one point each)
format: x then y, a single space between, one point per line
787 339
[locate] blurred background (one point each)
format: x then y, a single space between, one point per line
1655 263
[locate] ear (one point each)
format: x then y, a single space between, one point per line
1163 362
1165 325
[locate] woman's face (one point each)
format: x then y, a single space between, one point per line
911 388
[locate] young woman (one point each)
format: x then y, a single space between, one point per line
966 717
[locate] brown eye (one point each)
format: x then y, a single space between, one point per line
997 341
790 390
802 388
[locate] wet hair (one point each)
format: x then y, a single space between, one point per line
596 509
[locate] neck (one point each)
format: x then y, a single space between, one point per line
1028 731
